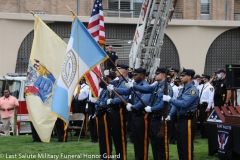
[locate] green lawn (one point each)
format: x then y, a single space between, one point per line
22 147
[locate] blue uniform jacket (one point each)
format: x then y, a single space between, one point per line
137 104
187 100
158 104
118 84
102 100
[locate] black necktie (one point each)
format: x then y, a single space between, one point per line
182 92
201 92
155 95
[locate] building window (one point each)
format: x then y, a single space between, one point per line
124 8
205 4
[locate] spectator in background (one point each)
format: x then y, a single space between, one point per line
113 56
197 80
7 105
206 93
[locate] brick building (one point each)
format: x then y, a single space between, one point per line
205 31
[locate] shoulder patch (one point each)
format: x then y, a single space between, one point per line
193 92
211 89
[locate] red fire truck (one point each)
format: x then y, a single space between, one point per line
15 82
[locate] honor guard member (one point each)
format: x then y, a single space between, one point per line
155 110
118 114
197 80
206 94
104 120
140 118
79 101
130 114
92 122
172 126
185 107
61 133
222 95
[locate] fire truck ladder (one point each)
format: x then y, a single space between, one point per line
148 55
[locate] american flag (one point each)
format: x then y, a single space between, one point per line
97 30
96 23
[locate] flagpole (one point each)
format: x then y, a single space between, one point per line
125 103
127 82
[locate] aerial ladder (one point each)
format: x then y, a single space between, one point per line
149 34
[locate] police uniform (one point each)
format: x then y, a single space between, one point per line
220 94
173 122
159 144
185 107
79 103
139 118
130 113
113 56
118 118
104 124
92 122
61 133
206 93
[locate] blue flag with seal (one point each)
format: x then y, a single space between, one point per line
83 54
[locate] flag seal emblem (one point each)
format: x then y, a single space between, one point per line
69 68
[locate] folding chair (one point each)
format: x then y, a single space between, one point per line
71 127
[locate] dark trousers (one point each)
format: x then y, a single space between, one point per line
104 131
35 135
172 129
129 125
157 143
140 136
202 118
78 107
119 131
61 133
183 131
92 123
218 102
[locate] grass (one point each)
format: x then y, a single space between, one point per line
22 147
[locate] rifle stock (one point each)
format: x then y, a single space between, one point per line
161 132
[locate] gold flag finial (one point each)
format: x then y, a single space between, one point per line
74 15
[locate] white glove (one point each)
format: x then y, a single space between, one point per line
93 100
129 107
129 84
109 101
168 118
166 98
155 82
106 72
148 109
110 87
89 118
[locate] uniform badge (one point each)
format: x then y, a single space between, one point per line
221 85
168 90
211 89
193 92
100 103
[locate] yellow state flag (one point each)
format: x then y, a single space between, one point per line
45 64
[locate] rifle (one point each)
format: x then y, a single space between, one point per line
163 132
